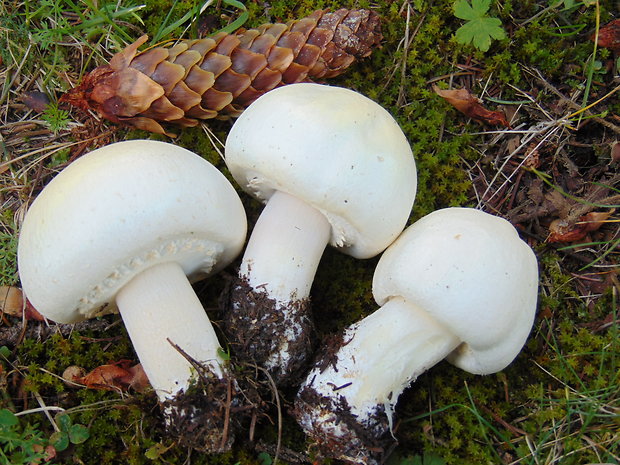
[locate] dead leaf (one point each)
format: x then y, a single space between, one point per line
137 379
36 100
559 202
465 102
563 231
73 373
106 377
49 453
11 300
615 152
116 376
12 303
609 36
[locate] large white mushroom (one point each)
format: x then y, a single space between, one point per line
333 167
457 284
124 227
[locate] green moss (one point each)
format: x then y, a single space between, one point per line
8 255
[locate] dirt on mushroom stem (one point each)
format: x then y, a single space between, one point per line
354 442
210 413
289 330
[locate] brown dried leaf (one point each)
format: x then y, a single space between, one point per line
465 102
594 220
36 100
615 152
137 379
563 231
559 202
49 451
72 374
11 300
12 303
116 376
609 36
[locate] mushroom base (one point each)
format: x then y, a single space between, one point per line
205 417
278 338
337 432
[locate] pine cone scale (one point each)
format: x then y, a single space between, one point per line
233 82
279 59
216 100
247 62
184 97
163 109
187 60
199 80
167 75
216 64
226 44
308 55
266 80
219 76
147 62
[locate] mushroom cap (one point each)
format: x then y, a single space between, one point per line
117 211
472 273
335 149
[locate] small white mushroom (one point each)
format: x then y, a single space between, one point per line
333 167
125 226
457 284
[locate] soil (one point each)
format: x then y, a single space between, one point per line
260 330
354 442
207 416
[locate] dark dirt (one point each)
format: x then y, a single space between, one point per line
206 416
257 328
361 442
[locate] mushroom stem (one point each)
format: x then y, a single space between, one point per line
377 358
269 308
159 306
285 248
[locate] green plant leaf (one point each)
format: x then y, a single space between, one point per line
157 450
479 28
64 422
5 352
60 440
264 458
477 9
78 434
8 419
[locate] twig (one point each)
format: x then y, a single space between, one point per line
226 414
279 407
45 410
40 409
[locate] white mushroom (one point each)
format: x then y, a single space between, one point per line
333 167
457 284
126 225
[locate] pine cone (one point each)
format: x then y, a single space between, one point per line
220 75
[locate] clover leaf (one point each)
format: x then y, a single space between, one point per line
479 28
